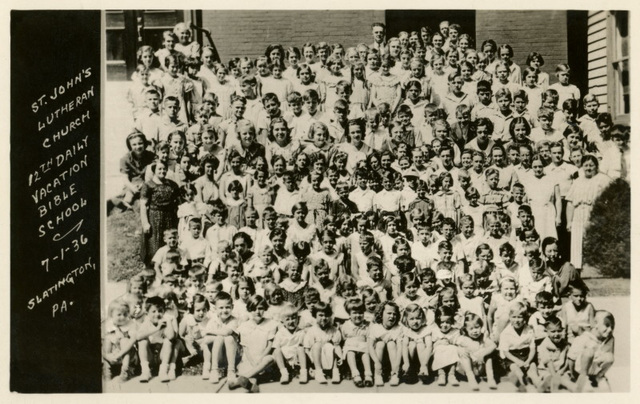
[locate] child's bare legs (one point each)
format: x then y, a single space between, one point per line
395 358
247 379
426 356
316 357
282 366
205 345
353 366
442 376
129 198
467 366
124 372
144 350
352 360
126 344
165 359
606 361
555 381
366 363
412 350
263 364
491 379
567 382
603 364
337 362
580 383
302 359
424 352
216 358
223 345
231 349
541 383
518 375
177 347
453 379
377 363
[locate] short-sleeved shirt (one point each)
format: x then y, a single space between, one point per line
255 337
510 340
362 198
587 342
285 338
378 333
410 335
194 329
538 323
134 167
472 345
316 335
355 336
550 352
159 256
114 333
215 324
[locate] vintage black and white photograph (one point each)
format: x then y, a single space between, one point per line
360 201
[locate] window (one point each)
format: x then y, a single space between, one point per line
619 86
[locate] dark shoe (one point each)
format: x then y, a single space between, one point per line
240 381
253 386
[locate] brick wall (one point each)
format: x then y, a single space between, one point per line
527 31
248 33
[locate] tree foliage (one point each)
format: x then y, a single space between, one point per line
607 242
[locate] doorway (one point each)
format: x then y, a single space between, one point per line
413 20
127 30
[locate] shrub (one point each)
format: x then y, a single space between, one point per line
607 241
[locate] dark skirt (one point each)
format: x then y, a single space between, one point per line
160 220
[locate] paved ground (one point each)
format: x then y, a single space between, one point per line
618 375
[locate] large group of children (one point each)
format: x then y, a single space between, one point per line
409 210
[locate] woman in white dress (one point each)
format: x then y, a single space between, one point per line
545 201
582 194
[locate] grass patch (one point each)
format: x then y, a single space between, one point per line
123 245
123 255
601 287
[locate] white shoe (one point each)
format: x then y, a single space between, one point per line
320 377
146 372
335 376
205 373
214 376
304 376
163 373
284 377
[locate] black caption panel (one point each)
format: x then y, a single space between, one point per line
55 201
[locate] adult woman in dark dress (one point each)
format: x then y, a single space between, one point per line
159 199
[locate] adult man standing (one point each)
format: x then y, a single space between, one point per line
379 38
